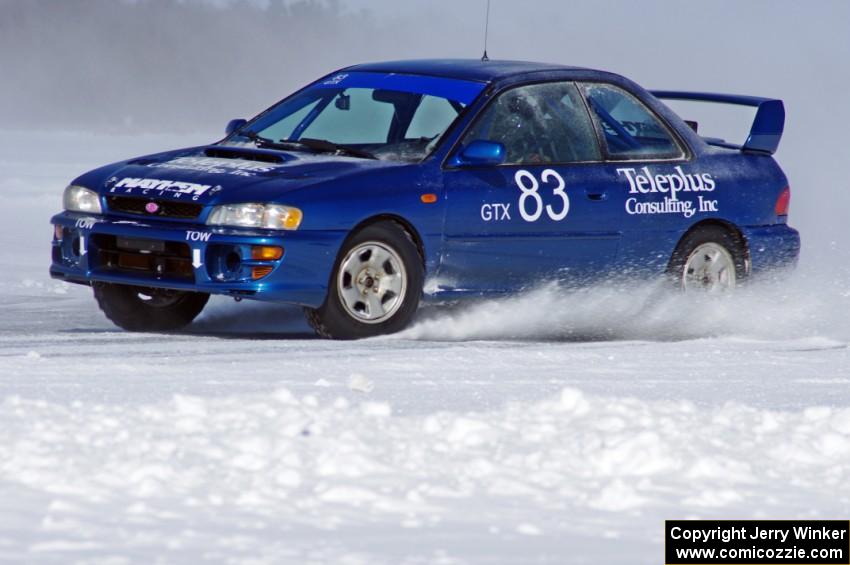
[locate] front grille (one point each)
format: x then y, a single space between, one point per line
152 259
165 208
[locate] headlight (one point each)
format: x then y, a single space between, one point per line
268 216
81 199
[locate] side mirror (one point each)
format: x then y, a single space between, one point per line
481 152
234 125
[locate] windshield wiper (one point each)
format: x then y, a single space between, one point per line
325 146
261 141
309 144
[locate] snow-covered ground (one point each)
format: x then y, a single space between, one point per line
550 428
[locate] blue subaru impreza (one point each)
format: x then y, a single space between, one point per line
383 185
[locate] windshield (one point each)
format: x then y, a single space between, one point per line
383 116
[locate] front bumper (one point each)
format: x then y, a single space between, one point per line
193 257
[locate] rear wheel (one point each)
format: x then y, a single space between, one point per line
375 287
140 309
709 259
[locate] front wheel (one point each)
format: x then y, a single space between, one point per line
375 287
709 259
140 309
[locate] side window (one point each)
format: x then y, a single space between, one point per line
630 129
433 116
539 123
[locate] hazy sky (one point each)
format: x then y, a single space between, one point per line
193 64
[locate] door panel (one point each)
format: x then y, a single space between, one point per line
548 212
511 227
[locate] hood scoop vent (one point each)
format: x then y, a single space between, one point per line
226 153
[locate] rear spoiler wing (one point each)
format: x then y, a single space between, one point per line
768 123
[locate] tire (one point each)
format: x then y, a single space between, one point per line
709 259
139 309
375 285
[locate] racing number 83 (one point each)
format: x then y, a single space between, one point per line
529 186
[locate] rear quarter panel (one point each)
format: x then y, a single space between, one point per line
747 186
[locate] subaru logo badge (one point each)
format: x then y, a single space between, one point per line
151 207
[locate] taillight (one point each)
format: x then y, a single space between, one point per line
783 202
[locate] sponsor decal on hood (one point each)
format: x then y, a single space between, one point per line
214 165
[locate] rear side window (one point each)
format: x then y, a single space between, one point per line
539 123
630 130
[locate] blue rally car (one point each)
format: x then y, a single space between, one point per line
382 185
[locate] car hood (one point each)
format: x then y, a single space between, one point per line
217 174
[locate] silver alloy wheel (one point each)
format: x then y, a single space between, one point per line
710 267
372 282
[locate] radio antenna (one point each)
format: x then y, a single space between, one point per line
484 57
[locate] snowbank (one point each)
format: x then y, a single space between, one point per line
282 477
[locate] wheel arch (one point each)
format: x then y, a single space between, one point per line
725 225
405 224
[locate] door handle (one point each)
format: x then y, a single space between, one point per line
596 195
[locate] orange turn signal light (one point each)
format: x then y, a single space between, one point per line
266 253
57 232
260 272
428 198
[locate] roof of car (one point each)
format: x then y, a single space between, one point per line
468 69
